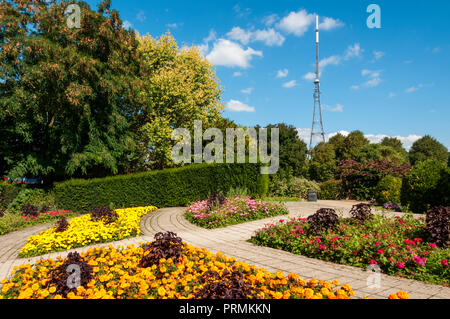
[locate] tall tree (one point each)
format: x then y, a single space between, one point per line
322 166
180 87
293 151
427 148
67 95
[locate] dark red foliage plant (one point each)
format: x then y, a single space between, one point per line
104 214
61 225
323 220
166 245
29 210
438 225
71 274
361 212
216 200
228 285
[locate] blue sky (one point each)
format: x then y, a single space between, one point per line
389 81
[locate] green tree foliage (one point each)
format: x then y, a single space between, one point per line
348 147
67 95
396 144
428 148
377 152
322 165
180 87
293 151
388 190
426 185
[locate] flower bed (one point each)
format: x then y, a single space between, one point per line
399 246
143 273
12 222
82 231
232 211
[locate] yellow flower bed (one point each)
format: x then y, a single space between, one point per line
82 231
118 275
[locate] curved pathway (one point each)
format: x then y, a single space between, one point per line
232 241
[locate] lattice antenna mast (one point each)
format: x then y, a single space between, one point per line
317 118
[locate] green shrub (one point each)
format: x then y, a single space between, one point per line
300 186
34 196
8 192
330 190
421 186
165 188
388 190
11 222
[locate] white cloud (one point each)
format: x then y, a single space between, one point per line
338 108
378 54
240 35
354 87
270 19
247 91
270 37
374 76
414 88
296 23
230 54
127 25
334 60
238 106
175 25
141 16
353 51
407 141
236 74
330 24
436 50
391 95
241 12
211 36
309 76
282 73
290 84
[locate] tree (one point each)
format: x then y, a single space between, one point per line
427 148
67 95
180 87
377 152
293 151
396 144
322 166
348 147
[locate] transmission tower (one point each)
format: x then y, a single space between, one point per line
317 123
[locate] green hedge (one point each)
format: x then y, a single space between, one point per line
166 188
8 192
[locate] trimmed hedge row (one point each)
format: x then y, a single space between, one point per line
166 188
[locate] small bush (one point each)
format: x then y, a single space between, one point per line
323 220
34 196
105 214
361 212
228 285
29 210
388 190
300 186
166 245
61 225
420 187
438 225
59 277
330 190
216 200
8 192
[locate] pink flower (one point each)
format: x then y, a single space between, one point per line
432 245
380 251
444 262
373 262
400 265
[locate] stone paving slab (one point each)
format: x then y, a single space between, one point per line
232 242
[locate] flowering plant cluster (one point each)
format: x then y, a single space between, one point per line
45 217
399 246
232 211
119 274
83 231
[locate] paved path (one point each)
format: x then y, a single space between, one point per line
232 241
